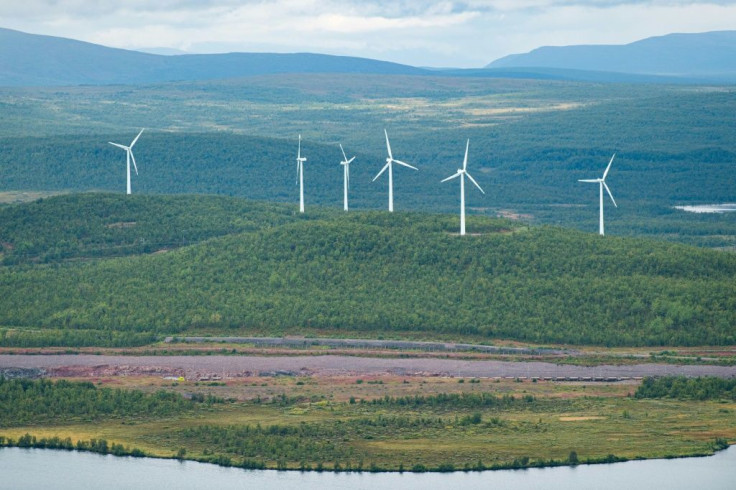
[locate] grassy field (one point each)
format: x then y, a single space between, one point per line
18 197
313 422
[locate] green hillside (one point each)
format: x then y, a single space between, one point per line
362 273
530 141
85 226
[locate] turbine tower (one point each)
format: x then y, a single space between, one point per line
300 174
389 160
462 173
129 156
346 164
602 183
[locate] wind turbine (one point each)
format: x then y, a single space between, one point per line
462 173
300 174
129 156
389 160
602 183
346 163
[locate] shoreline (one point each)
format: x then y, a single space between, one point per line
610 459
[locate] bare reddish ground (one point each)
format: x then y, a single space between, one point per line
224 367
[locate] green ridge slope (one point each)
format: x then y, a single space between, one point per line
370 273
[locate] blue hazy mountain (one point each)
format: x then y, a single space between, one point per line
709 55
36 60
29 59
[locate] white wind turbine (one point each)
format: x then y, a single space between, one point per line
389 160
602 183
462 173
129 156
346 164
300 174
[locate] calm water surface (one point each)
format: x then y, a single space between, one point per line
51 469
708 208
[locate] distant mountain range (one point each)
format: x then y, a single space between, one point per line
709 55
35 60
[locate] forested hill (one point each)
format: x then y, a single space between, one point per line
34 60
263 268
97 225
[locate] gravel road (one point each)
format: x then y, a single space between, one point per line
194 367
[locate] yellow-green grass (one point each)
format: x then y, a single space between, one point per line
593 420
16 197
342 388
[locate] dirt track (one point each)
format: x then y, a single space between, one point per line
194 367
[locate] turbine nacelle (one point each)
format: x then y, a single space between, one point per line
601 181
462 173
389 161
346 184
300 174
129 156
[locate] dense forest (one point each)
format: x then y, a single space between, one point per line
680 387
360 273
107 225
24 402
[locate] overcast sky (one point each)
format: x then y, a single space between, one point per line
467 33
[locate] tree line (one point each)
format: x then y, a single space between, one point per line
680 387
24 401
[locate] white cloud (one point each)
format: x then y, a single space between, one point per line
419 32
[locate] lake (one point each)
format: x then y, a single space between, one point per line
45 469
708 208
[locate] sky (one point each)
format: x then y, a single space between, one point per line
466 34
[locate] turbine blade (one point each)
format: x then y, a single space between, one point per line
298 164
608 167
589 180
347 175
344 157
404 164
382 170
133 158
474 182
388 145
136 138
609 193
118 145
465 162
453 176
299 151
350 161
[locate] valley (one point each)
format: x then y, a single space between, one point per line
204 317
530 141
